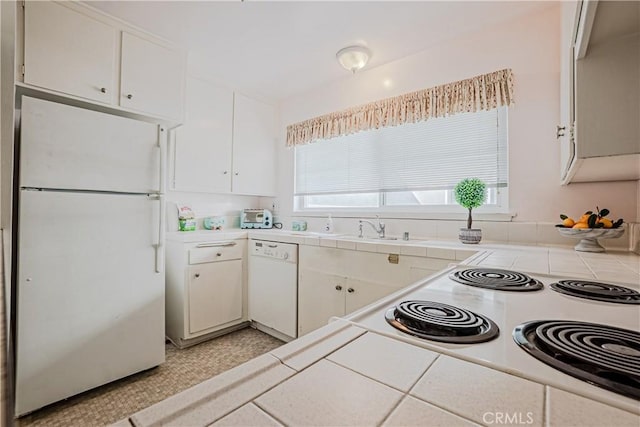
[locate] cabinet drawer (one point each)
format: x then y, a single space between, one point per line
215 251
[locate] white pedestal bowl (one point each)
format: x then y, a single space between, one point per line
589 237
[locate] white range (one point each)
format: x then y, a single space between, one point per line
510 309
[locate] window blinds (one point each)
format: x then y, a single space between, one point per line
428 155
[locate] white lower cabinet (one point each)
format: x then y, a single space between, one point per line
206 289
337 282
215 294
320 297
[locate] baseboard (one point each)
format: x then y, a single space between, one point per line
184 343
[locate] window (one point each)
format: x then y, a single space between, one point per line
405 167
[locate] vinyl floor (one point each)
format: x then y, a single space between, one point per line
182 369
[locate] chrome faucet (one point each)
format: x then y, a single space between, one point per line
380 228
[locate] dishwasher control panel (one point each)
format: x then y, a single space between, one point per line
282 251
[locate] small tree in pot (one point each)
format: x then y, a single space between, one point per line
470 193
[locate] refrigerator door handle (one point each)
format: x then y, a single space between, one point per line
162 145
159 247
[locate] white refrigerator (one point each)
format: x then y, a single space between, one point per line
90 281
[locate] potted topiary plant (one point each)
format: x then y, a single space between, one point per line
470 193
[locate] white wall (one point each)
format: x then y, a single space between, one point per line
531 47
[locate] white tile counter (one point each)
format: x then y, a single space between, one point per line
619 266
343 374
360 378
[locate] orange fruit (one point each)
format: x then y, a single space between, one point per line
581 225
568 222
606 222
584 219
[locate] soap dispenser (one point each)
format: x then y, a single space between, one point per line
328 227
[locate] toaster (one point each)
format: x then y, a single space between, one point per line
256 218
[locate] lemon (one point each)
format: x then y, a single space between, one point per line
581 225
568 222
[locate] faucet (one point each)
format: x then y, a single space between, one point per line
380 228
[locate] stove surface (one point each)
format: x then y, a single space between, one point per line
493 278
602 355
597 291
509 310
441 322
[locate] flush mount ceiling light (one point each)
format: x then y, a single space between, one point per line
353 58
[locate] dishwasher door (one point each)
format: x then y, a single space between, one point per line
273 286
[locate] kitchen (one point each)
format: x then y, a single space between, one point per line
531 39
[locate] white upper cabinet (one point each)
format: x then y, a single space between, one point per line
202 161
253 147
74 50
601 102
564 132
227 143
151 77
70 52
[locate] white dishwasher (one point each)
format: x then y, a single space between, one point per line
273 288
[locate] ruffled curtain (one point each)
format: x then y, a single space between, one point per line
484 92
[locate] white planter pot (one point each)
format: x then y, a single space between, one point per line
470 235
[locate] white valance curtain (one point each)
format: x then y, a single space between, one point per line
484 92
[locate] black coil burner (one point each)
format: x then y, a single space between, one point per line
602 355
493 278
441 322
597 291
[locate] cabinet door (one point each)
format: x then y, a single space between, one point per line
320 297
567 147
203 145
151 78
215 294
360 293
69 52
253 147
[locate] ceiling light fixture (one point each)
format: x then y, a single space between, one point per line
353 58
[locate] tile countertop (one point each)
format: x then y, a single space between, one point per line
345 375
618 266
342 374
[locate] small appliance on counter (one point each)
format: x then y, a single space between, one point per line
256 218
214 223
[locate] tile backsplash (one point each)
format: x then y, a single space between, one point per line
527 233
634 236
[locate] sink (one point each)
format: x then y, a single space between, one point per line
377 238
313 234
387 239
373 239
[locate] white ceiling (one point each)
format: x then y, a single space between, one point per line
277 49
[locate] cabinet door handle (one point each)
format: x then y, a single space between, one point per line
219 254
351 290
236 174
215 244
560 131
197 275
129 96
225 172
338 288
103 89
